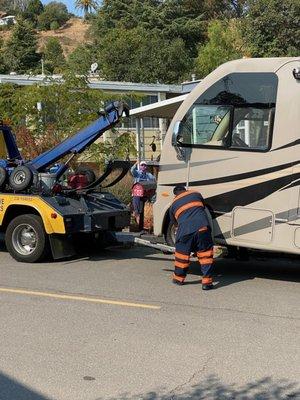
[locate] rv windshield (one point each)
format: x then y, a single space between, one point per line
235 112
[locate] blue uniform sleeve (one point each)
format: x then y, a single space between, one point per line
134 171
151 177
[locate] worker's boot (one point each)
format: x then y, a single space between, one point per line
207 283
178 280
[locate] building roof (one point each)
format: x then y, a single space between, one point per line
97 84
161 109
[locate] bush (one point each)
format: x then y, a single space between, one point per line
54 25
33 10
53 12
122 190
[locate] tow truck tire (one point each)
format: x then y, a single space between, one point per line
89 173
26 239
3 177
21 178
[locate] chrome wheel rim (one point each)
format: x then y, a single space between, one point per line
173 233
24 239
19 177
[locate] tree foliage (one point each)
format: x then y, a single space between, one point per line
81 59
87 6
65 107
54 11
3 65
139 55
272 28
21 49
33 10
5 5
53 56
224 43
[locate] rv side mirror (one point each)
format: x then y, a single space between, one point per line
176 138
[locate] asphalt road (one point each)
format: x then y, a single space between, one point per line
112 326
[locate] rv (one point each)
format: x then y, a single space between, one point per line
236 138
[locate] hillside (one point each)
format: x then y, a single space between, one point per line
72 34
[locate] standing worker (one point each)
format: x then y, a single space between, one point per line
193 235
140 175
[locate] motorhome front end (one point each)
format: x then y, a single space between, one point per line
236 139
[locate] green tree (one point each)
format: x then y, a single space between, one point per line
81 59
67 106
21 49
53 56
142 56
3 65
182 19
8 96
87 6
54 11
225 43
18 6
33 10
272 28
5 5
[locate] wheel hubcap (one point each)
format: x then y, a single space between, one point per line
24 239
173 233
19 177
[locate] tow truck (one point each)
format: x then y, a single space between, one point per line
38 215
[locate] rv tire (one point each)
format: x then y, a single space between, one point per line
170 234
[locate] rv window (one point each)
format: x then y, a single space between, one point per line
241 89
235 112
205 125
251 128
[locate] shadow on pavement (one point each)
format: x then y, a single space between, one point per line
228 271
213 389
10 389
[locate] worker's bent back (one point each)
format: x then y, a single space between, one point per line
188 211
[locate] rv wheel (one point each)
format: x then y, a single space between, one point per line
170 234
21 178
3 177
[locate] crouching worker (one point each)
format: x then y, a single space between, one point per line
193 235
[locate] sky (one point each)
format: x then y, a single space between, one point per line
68 3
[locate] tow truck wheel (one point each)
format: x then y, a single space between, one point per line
3 177
26 239
21 178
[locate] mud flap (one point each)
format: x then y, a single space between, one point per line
61 246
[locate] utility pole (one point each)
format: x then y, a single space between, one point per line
43 70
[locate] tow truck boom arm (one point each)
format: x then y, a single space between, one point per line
80 141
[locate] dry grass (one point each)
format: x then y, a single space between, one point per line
72 34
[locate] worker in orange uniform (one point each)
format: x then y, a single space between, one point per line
193 235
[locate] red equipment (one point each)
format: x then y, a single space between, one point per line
144 189
77 181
